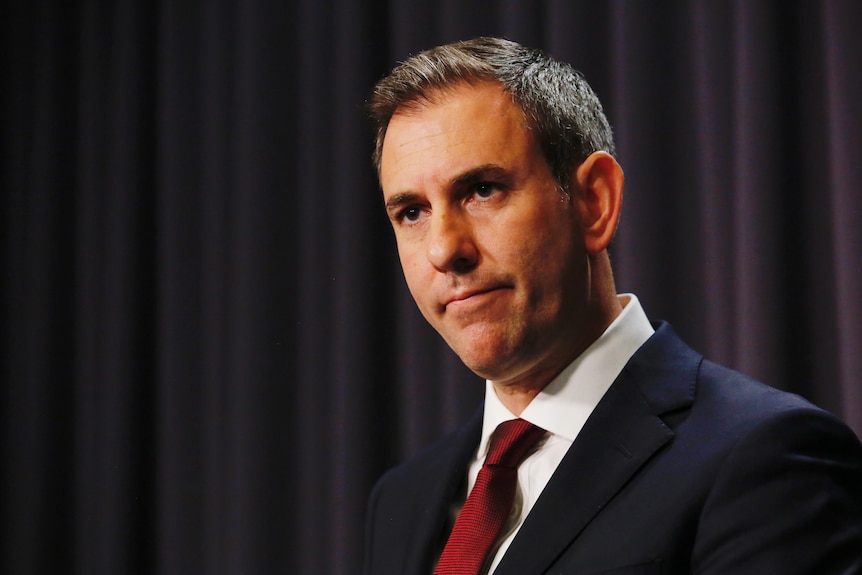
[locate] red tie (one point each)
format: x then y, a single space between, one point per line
487 508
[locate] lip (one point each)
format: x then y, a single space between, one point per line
467 295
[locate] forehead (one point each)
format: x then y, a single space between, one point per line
455 130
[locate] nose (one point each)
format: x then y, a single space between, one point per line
451 246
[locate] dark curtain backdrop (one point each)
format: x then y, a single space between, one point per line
208 352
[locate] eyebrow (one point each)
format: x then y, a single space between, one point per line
471 176
400 199
480 173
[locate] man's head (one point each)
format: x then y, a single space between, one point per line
561 109
513 274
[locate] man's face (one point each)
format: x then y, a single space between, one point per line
491 248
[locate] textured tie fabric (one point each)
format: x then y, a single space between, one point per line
481 521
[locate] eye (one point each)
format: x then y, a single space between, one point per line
486 189
411 214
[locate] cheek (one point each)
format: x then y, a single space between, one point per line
414 271
537 244
549 259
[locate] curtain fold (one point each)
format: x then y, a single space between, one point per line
209 350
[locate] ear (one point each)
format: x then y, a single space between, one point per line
599 192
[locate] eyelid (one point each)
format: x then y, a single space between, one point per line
487 187
400 215
400 202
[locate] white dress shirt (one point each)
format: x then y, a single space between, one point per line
562 408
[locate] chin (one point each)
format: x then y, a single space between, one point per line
487 360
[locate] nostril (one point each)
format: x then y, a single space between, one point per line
463 264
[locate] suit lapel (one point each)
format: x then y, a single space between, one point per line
436 489
621 435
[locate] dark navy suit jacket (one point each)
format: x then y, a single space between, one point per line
683 467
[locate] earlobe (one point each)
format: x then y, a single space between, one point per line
600 181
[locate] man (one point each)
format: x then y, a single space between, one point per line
498 175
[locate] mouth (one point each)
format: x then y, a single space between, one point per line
470 296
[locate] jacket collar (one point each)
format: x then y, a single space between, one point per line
623 433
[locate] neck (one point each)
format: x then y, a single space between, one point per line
605 308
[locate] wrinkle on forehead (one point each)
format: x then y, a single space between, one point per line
449 139
421 129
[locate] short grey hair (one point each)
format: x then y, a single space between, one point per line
559 106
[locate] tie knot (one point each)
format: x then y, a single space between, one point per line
511 442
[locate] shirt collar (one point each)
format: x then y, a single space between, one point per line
564 405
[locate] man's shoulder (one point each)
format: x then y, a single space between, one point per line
665 356
727 401
737 405
677 380
742 391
